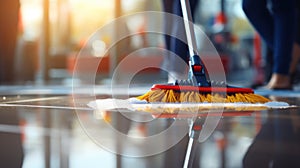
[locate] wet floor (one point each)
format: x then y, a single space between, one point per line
60 130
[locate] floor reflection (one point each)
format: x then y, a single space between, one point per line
36 136
277 143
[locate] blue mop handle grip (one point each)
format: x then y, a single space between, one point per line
197 72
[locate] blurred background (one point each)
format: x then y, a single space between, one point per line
40 42
51 33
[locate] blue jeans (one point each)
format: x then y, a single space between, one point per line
275 21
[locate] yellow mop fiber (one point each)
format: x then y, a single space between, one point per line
171 96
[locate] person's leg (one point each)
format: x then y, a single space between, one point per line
284 30
269 61
279 25
259 16
168 21
294 62
179 47
284 16
296 48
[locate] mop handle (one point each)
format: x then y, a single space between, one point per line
197 69
189 27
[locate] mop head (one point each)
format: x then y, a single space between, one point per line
184 100
103 106
175 96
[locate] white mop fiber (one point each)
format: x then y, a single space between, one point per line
134 104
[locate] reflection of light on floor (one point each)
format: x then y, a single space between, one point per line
210 155
237 148
85 153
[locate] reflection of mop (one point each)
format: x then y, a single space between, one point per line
194 135
197 88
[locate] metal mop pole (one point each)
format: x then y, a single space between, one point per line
197 72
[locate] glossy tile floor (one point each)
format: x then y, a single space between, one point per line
60 130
